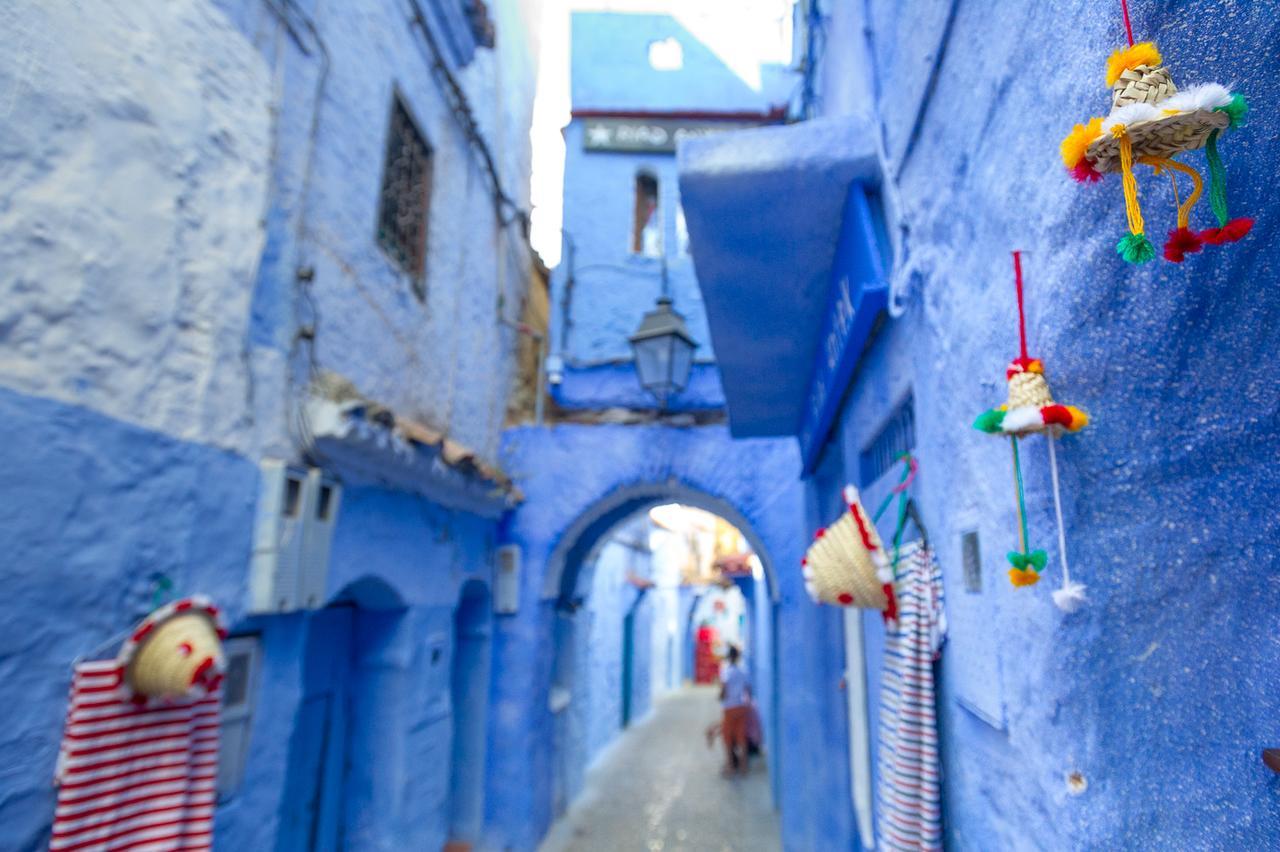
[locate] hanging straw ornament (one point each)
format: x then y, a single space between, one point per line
1150 122
176 651
846 565
1031 409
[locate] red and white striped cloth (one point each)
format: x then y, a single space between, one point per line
910 807
135 776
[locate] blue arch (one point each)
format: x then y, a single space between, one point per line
581 540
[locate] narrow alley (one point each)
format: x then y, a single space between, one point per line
423 423
658 787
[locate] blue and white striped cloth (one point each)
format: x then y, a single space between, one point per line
910 807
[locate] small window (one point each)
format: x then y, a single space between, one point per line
239 695
666 55
646 230
406 195
897 436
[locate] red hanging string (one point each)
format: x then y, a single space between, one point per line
1128 28
1022 317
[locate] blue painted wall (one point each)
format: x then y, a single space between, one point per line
1167 672
613 288
156 348
619 470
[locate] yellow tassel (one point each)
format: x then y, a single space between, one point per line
1130 183
1079 140
1127 58
1197 185
1079 419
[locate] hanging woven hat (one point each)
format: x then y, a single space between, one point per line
1030 407
846 564
176 651
1150 122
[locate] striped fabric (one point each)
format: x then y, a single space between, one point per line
134 776
910 807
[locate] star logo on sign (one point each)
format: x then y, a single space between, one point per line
599 134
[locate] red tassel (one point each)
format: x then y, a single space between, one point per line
1056 415
1234 230
1084 172
1182 242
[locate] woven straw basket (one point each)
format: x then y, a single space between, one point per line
841 569
176 651
1161 137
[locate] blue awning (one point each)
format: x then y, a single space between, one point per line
767 209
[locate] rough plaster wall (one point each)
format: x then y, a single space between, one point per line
757 477
445 361
135 143
1167 673
105 505
613 289
95 507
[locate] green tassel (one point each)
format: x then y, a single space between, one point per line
1136 248
1236 110
989 421
1217 179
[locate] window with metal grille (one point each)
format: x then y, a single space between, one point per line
897 436
406 196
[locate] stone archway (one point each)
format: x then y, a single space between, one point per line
579 481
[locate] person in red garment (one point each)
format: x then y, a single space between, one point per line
735 701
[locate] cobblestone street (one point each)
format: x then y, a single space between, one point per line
659 787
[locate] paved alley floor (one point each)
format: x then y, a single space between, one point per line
658 787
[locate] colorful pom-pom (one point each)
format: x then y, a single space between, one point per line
1136 248
1078 142
1234 230
1236 110
1022 577
1079 419
1181 243
989 421
1130 57
1084 172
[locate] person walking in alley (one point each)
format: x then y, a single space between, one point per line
735 691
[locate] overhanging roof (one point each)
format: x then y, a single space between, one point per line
764 208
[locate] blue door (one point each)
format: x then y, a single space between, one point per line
311 817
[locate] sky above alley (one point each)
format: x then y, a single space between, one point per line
743 33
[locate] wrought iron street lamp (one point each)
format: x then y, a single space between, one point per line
663 349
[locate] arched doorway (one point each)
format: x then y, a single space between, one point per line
469 693
610 604
343 738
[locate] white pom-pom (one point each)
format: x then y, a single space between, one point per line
1070 597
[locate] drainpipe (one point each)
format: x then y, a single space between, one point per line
295 413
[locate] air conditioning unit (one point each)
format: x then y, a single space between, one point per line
296 513
506 580
317 534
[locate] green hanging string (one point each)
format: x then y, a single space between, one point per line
901 492
1217 179
1022 499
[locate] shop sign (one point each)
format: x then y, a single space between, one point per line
859 293
648 136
